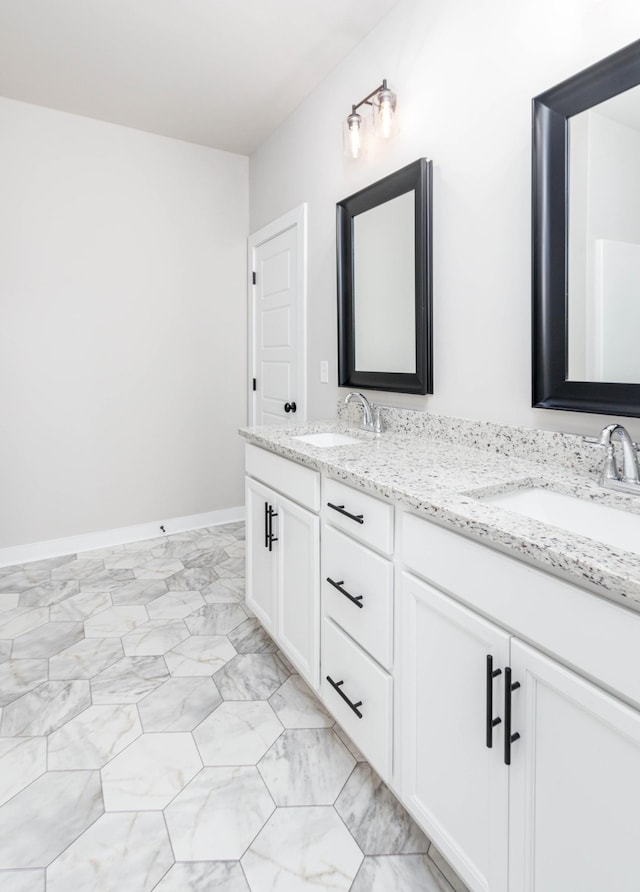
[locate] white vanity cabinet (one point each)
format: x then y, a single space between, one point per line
357 628
560 814
455 786
283 555
574 782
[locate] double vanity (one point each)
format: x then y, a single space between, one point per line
485 661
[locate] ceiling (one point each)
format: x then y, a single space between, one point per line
215 72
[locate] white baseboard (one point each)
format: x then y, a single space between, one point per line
37 551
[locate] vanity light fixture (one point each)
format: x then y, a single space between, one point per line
382 102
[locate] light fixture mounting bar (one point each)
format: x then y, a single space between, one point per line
367 99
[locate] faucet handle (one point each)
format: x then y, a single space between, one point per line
377 420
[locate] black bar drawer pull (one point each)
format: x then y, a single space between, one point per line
266 524
271 537
337 686
359 518
509 738
356 599
491 721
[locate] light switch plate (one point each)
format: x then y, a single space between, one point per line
324 371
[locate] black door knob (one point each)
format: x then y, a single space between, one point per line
290 407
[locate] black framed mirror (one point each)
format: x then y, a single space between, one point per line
586 240
384 284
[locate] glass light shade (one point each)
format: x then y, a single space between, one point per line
353 135
384 108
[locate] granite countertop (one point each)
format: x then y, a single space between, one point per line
444 481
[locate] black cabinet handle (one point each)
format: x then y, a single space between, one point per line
491 722
266 524
290 407
271 537
359 518
356 599
337 686
509 738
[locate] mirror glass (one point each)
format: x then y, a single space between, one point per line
384 284
604 241
384 287
586 240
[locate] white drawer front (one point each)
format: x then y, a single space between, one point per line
368 578
288 477
363 682
362 516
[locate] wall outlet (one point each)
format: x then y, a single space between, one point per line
324 371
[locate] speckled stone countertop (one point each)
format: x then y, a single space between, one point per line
444 480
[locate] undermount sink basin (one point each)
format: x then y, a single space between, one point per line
592 519
326 439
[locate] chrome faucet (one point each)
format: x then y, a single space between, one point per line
371 420
629 480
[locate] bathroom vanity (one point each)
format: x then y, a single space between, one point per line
486 664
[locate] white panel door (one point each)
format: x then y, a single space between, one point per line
455 785
275 329
298 532
260 562
575 782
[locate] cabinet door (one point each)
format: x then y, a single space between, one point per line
298 546
455 786
575 782
261 563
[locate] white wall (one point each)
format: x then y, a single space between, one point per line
122 325
465 72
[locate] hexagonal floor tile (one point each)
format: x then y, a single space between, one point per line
179 704
49 593
297 847
234 566
225 591
42 820
251 677
215 619
237 733
378 822
200 655
174 549
17 622
129 680
297 707
119 852
218 814
81 568
191 580
138 592
155 637
306 767
250 638
80 607
19 676
47 640
86 658
175 605
382 873
45 708
148 774
22 760
200 876
208 557
22 880
115 622
93 737
158 568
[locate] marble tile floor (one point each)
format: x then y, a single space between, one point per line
152 737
